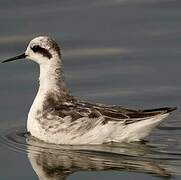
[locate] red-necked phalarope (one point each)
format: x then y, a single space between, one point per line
56 117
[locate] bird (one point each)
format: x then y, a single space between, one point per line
57 117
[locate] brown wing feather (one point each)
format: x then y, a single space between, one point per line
118 113
78 109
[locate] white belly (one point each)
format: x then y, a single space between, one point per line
65 133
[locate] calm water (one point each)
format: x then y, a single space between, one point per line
125 52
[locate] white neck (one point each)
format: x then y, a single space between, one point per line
51 82
51 77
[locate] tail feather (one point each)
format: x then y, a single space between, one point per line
143 115
164 110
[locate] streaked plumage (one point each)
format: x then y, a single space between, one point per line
57 117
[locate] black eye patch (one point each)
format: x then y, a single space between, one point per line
43 51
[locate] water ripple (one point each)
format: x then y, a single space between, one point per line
59 161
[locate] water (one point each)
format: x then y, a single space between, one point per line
59 162
115 52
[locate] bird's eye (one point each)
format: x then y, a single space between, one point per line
40 50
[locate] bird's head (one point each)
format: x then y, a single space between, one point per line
41 50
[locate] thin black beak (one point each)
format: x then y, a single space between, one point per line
22 56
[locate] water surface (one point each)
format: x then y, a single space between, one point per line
114 52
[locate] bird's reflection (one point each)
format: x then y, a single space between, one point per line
52 162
